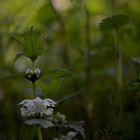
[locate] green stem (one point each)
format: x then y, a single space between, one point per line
39 134
34 91
33 83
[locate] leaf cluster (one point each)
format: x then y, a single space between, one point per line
114 22
77 126
32 43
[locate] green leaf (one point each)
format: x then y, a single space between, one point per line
46 14
42 86
57 73
49 89
77 126
136 60
41 122
18 37
12 77
133 87
114 22
33 44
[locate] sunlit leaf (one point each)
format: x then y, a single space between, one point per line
114 22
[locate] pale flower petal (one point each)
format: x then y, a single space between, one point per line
37 107
49 111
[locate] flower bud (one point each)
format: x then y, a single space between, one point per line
33 75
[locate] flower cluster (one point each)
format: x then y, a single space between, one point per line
37 108
58 118
33 75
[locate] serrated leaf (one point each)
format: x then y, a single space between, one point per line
114 22
41 122
33 45
77 126
57 73
132 87
12 77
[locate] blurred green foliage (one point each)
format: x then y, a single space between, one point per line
82 36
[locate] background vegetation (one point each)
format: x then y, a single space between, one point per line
98 40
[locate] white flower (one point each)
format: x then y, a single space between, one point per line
49 111
29 71
37 107
58 118
48 102
37 71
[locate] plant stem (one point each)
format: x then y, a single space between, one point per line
34 91
39 134
33 83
